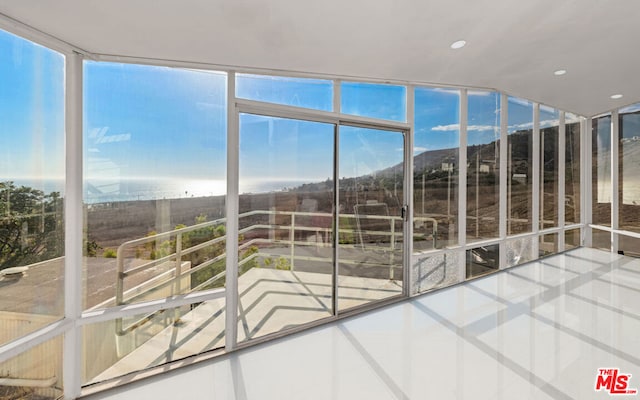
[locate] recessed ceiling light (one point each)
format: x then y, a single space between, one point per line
616 96
560 72
458 45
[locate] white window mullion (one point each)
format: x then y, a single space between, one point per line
586 188
462 184
408 191
232 204
504 157
562 145
337 93
615 159
535 201
73 215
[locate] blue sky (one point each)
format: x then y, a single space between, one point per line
144 122
31 111
159 122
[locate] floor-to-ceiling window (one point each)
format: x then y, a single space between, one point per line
154 204
572 169
483 180
601 179
549 147
549 168
155 198
519 166
436 169
32 199
483 159
629 177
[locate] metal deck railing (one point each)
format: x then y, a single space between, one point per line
175 271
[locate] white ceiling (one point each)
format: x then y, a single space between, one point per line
513 45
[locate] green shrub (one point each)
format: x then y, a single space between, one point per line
110 253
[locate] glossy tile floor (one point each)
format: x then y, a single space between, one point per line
538 331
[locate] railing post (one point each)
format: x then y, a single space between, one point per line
393 247
434 232
178 276
120 277
292 238
119 285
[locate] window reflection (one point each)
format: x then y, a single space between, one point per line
482 260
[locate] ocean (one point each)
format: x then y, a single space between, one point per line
114 190
102 191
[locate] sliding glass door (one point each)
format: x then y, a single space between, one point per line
371 198
286 205
320 224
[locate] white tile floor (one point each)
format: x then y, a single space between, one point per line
538 331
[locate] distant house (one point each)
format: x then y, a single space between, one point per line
487 166
522 178
448 167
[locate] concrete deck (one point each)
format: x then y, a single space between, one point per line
270 300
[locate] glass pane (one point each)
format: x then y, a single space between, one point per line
601 174
483 159
42 363
629 181
370 222
31 186
520 166
434 271
483 260
286 219
520 251
298 92
436 166
629 246
373 100
572 239
118 347
572 169
155 181
601 239
548 244
549 145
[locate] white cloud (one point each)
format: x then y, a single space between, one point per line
549 123
456 127
446 128
519 127
482 128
